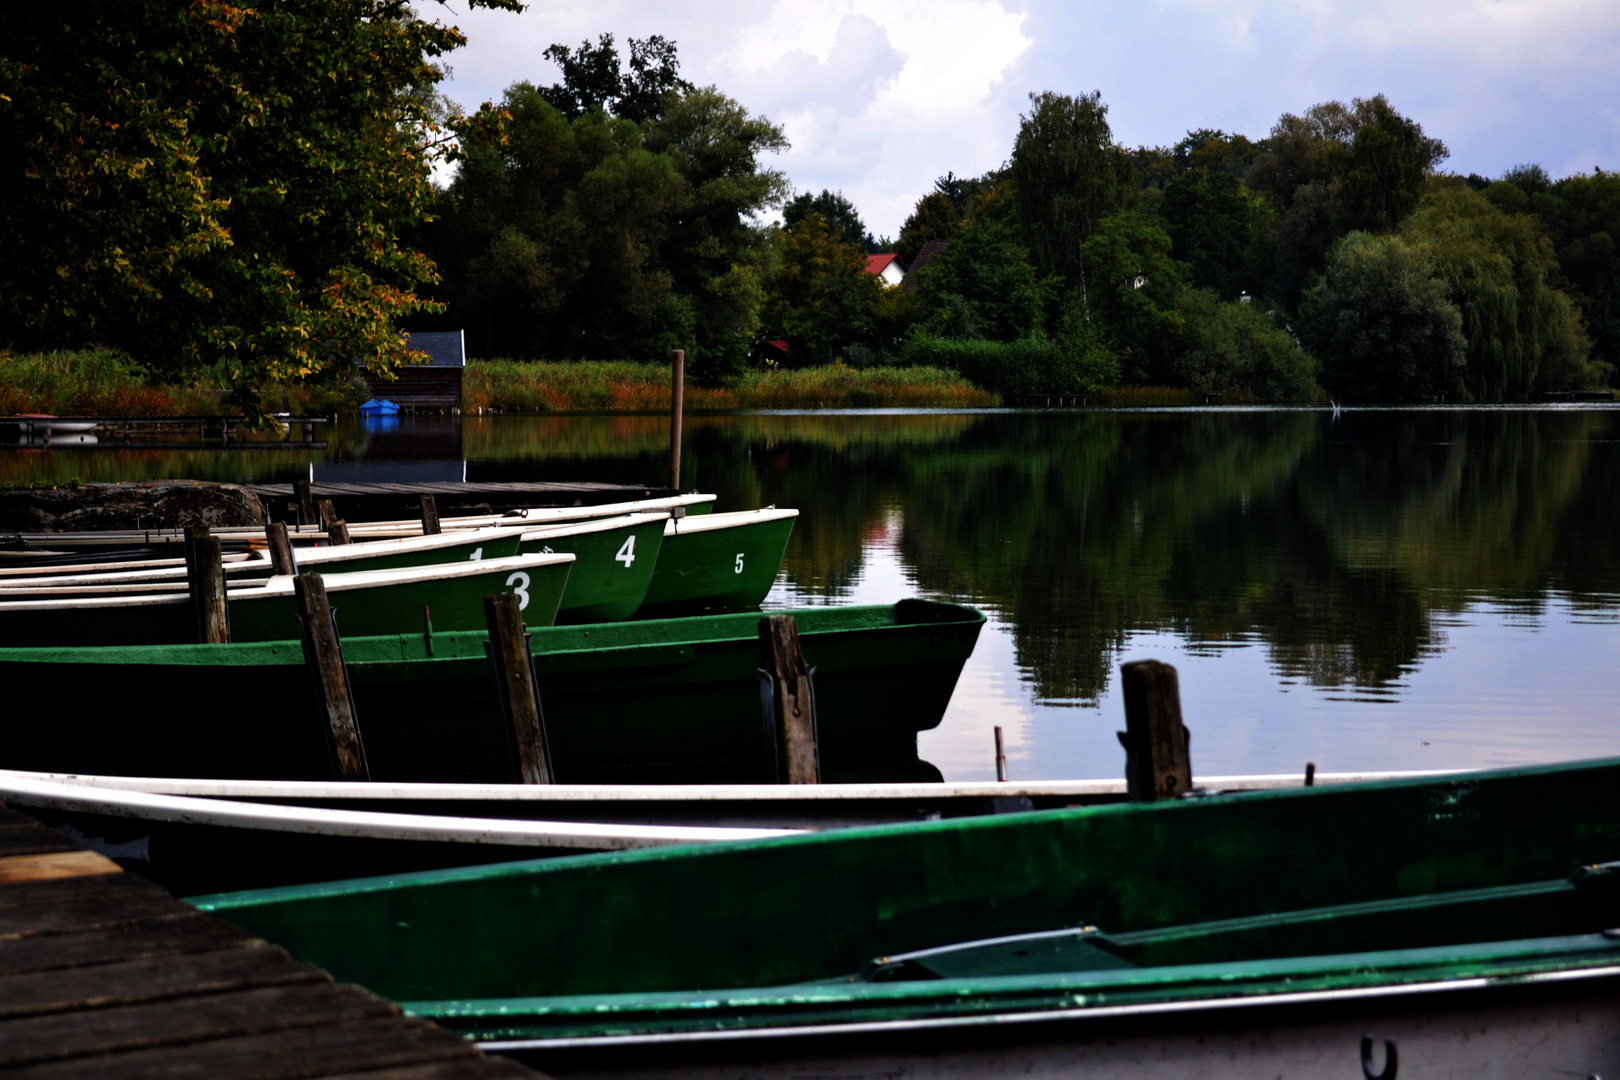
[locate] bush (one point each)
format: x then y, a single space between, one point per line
1010 368
1237 349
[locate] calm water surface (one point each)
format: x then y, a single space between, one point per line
1383 590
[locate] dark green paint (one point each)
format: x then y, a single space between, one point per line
665 700
717 569
1322 888
609 579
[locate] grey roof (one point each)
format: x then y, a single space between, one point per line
925 255
444 347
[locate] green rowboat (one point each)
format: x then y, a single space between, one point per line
613 563
1466 922
671 700
367 603
718 562
543 516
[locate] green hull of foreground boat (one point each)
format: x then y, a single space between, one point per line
670 700
1453 904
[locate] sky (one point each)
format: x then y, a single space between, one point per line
880 97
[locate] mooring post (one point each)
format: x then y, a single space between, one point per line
1157 762
323 655
281 556
792 700
205 579
1001 757
430 516
677 404
306 506
337 530
514 681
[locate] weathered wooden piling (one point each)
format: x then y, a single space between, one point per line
337 531
1001 757
430 516
677 405
281 556
323 655
1157 762
306 504
205 580
514 681
798 759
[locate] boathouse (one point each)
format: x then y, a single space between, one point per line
433 385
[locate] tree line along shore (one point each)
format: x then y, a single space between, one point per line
229 207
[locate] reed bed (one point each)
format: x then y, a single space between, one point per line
92 382
625 386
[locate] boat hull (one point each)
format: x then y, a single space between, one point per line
612 568
645 701
701 568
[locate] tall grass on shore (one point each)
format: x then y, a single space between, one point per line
625 386
92 382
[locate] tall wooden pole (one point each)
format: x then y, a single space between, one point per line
798 759
677 403
514 680
323 654
205 578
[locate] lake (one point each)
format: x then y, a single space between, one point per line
1384 589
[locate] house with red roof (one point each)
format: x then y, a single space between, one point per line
888 267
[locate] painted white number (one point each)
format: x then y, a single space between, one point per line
739 562
520 583
627 554
478 553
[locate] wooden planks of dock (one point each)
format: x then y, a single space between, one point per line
105 975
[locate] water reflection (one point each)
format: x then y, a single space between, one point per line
1404 589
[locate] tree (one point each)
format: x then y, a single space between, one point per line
1382 324
1068 175
1237 348
838 213
549 239
714 252
594 79
1497 270
209 185
1219 230
985 285
1134 285
1389 162
1581 215
934 218
821 297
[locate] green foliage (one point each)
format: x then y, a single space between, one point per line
984 285
548 240
821 296
1333 169
201 183
1238 350
1009 368
1382 324
1068 175
716 257
1219 230
593 79
935 217
1496 270
1581 215
1133 285
839 214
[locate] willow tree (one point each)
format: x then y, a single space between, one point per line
216 185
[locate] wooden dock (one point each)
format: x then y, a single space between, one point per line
105 975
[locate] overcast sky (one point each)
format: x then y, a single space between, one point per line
879 97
